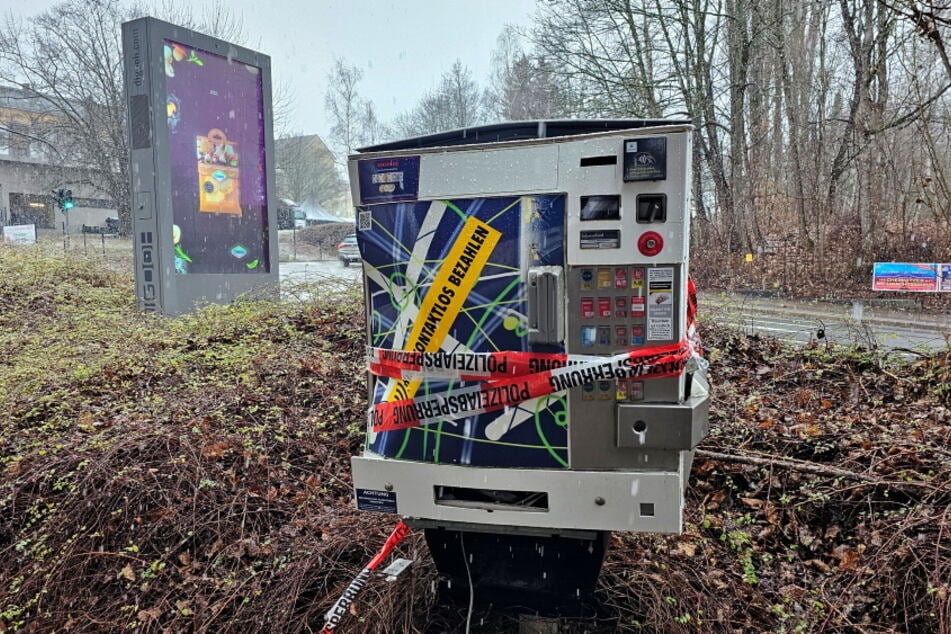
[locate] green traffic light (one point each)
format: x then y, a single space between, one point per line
67 205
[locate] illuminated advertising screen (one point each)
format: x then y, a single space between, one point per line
916 277
216 149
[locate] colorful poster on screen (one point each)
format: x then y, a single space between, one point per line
914 277
215 114
448 276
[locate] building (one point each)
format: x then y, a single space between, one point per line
30 169
306 171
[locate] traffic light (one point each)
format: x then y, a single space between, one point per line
63 198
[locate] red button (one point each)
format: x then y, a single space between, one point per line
650 243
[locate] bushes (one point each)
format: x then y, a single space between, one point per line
326 236
192 474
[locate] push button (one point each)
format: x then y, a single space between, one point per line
589 336
620 307
620 336
637 306
620 278
587 307
587 279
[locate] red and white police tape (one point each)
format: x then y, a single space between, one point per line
340 609
507 378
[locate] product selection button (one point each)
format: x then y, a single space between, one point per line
587 279
635 390
620 277
587 391
637 306
621 390
620 307
620 335
589 335
587 307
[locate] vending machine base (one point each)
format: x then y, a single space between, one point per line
642 501
554 573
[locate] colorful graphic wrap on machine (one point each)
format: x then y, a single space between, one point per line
215 114
448 276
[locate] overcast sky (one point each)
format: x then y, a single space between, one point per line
403 46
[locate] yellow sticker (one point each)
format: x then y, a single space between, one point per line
447 294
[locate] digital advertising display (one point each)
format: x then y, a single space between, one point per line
216 149
200 133
915 277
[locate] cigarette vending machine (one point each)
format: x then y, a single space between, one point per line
533 369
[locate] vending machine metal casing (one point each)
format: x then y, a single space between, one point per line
549 238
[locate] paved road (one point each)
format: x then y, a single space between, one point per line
321 271
301 281
800 322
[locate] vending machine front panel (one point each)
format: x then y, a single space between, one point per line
450 275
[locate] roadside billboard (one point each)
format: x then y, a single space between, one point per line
913 277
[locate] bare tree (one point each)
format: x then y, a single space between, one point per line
931 20
374 130
345 107
456 103
805 117
306 169
522 86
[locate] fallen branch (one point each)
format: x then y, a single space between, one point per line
804 466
